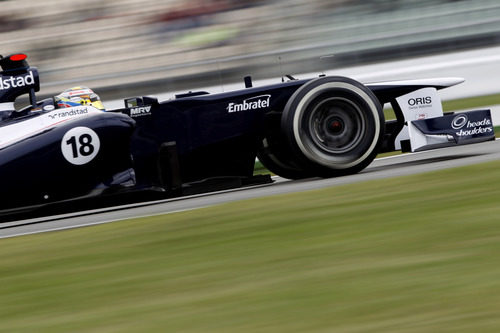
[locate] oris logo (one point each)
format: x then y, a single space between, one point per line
459 121
420 101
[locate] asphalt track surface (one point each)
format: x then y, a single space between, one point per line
389 167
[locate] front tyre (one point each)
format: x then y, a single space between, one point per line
334 126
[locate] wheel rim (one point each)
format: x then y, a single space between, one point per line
336 125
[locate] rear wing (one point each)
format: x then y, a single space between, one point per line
17 78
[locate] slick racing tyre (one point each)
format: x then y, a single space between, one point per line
334 126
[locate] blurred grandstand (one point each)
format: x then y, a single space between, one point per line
129 47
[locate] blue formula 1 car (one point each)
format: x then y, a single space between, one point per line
198 142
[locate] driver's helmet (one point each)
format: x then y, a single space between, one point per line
78 96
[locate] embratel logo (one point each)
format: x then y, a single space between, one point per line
16 81
142 111
252 103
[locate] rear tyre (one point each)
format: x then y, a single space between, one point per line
333 126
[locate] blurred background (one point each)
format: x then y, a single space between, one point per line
125 48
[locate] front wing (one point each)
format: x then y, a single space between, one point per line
451 130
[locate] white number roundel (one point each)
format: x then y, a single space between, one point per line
80 145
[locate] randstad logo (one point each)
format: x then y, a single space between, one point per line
16 81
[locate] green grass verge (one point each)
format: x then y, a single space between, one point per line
260 169
410 254
472 102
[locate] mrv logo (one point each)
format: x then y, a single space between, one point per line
16 81
252 103
467 127
142 111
